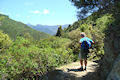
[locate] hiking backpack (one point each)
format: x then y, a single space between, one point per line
85 44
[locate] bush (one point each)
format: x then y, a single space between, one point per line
5 41
25 59
95 27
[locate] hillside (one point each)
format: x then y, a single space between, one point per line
104 28
14 28
46 28
45 59
95 27
24 59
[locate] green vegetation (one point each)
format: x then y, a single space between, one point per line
89 6
59 32
95 27
4 42
26 53
29 54
24 59
14 28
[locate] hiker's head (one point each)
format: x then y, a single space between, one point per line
83 34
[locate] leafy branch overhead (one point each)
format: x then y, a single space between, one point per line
89 6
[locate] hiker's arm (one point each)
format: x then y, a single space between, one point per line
80 44
92 43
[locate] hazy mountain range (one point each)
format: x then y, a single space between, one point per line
46 28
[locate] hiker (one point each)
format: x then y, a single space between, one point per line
85 44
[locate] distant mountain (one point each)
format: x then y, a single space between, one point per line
14 28
47 29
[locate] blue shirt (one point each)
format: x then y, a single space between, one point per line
89 41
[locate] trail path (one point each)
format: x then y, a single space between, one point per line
70 72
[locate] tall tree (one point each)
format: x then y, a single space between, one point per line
59 32
89 6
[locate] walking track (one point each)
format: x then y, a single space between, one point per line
70 72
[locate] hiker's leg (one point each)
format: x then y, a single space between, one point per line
82 57
81 62
85 62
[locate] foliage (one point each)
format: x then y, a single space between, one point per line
91 3
89 6
25 59
95 28
59 32
5 41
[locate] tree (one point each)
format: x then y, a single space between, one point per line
89 6
28 36
59 32
5 41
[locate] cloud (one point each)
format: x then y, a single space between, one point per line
36 12
2 13
46 11
17 15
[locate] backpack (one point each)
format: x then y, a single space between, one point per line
85 45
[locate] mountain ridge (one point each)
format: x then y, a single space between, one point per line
49 29
15 28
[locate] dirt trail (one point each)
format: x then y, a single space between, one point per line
70 72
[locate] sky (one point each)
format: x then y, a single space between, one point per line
45 12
